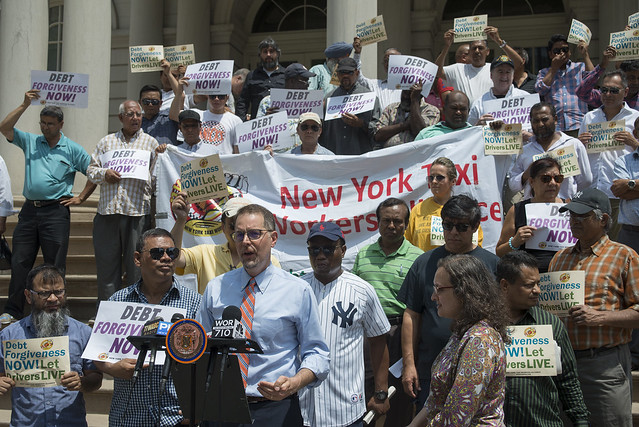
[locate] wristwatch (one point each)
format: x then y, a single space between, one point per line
381 395
503 43
631 184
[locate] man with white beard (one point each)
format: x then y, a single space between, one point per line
61 405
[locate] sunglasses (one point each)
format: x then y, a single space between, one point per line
613 90
438 178
217 96
547 178
559 50
158 253
314 128
151 101
346 72
326 250
59 293
255 234
448 226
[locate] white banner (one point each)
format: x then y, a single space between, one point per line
128 163
515 109
295 102
404 71
268 130
553 227
301 190
354 104
61 89
116 321
209 78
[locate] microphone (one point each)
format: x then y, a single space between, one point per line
148 326
154 328
166 369
230 326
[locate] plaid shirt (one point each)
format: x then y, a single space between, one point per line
612 284
142 409
562 94
130 197
586 90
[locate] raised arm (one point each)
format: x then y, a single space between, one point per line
449 36
9 122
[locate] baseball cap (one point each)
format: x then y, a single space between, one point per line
233 205
310 116
587 200
189 114
346 64
329 230
297 70
339 49
503 59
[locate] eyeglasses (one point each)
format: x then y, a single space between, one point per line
132 114
326 250
346 72
612 90
147 101
438 178
448 226
438 289
314 128
254 234
547 178
59 293
217 96
579 218
158 253
559 50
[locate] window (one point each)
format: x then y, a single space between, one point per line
495 8
290 15
54 58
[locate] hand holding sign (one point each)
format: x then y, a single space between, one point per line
352 120
584 315
71 381
6 384
112 177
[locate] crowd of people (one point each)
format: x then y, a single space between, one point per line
441 306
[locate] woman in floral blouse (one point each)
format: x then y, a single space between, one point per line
469 375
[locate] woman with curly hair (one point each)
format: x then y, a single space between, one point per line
469 375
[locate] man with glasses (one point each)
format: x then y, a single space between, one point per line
349 311
424 333
51 161
614 88
309 130
352 133
558 83
62 405
601 328
543 120
156 122
155 255
280 313
125 203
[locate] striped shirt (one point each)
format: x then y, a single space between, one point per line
386 273
612 283
348 311
131 197
143 405
535 401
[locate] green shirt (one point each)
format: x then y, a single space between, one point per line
535 401
386 272
436 130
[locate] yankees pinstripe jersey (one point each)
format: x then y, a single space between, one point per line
349 310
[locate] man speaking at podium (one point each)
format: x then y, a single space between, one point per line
279 312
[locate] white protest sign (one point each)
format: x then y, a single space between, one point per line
633 20
404 71
506 140
146 58
61 89
567 158
353 104
514 109
553 227
268 130
296 102
579 31
437 232
203 179
470 28
371 31
209 78
561 290
36 362
626 43
531 352
116 321
602 136
180 55
128 163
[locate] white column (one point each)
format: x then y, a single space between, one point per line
342 17
193 26
23 47
145 28
86 49
397 20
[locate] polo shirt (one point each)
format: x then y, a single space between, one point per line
436 130
49 172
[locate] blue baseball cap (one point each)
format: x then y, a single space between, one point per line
329 230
